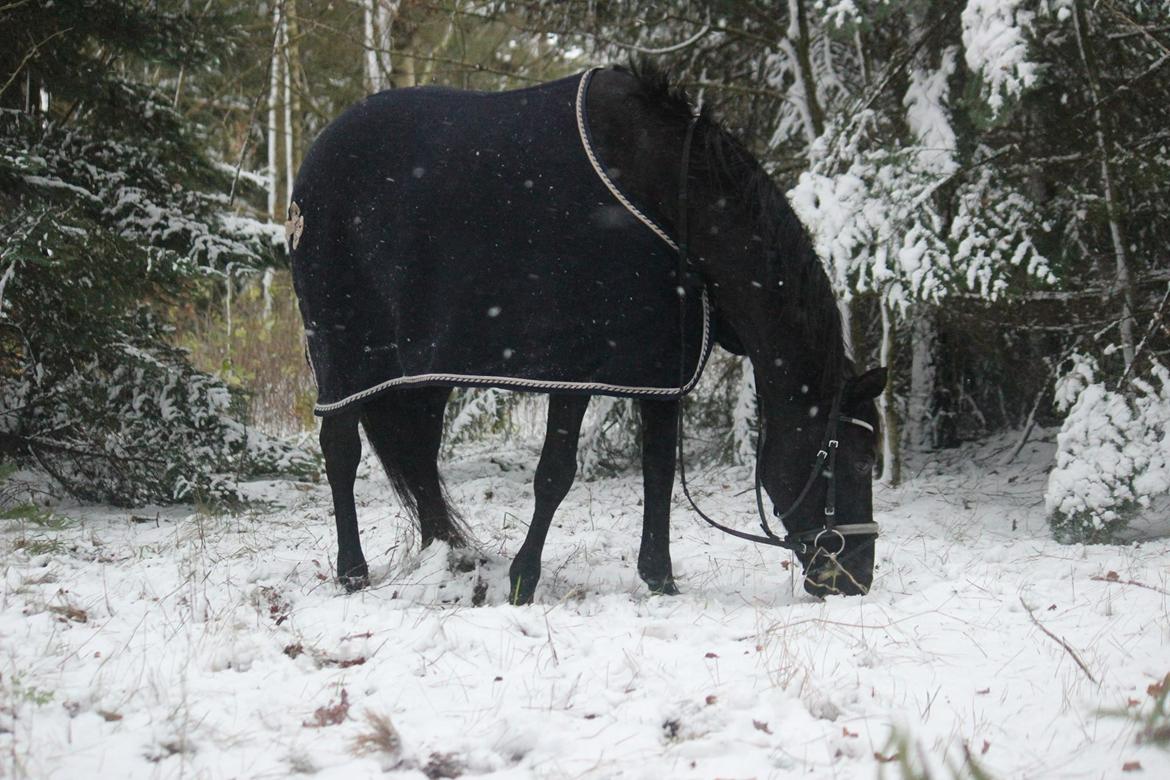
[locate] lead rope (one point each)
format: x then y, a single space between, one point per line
683 261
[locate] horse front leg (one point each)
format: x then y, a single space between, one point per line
342 448
659 439
554 477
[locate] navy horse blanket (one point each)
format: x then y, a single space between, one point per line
440 236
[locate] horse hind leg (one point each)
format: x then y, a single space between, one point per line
342 448
405 428
554 477
659 439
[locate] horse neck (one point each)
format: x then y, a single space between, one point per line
787 322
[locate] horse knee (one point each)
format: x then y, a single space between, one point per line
555 478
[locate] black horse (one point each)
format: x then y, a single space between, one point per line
443 238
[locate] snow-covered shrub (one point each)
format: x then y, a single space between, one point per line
1113 453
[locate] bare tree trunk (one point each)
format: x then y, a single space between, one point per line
921 432
286 79
798 46
891 457
845 307
387 13
273 99
373 71
1122 280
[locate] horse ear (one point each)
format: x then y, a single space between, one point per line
868 386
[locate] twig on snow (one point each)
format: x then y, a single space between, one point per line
1067 647
1112 577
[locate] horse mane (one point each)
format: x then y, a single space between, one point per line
789 258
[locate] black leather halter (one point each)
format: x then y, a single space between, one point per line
803 541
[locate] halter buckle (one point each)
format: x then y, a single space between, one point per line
830 511
834 444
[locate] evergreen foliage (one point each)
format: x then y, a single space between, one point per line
111 209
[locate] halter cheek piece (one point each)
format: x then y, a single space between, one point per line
826 455
803 541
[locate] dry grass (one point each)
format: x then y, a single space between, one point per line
255 341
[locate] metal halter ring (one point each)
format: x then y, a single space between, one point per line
834 531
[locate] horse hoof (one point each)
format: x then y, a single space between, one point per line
522 591
354 584
664 587
354 577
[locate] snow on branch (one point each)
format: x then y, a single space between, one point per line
996 49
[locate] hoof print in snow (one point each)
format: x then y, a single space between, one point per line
463 560
671 728
479 594
442 765
166 748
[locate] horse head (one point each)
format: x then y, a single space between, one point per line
816 461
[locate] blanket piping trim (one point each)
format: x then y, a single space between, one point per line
586 141
545 385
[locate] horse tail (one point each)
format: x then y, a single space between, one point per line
406 442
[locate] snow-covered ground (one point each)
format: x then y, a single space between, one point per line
197 645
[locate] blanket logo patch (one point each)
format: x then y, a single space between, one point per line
294 226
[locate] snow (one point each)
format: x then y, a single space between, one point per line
926 103
173 642
1113 454
996 48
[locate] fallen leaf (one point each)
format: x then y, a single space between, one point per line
1112 576
982 691
110 717
886 759
711 699
330 714
761 726
1131 766
69 612
711 655
845 732
986 747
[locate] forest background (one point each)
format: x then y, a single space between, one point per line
986 182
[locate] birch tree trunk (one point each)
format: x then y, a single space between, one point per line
373 70
286 85
387 13
273 99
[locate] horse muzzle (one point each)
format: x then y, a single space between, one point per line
845 570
